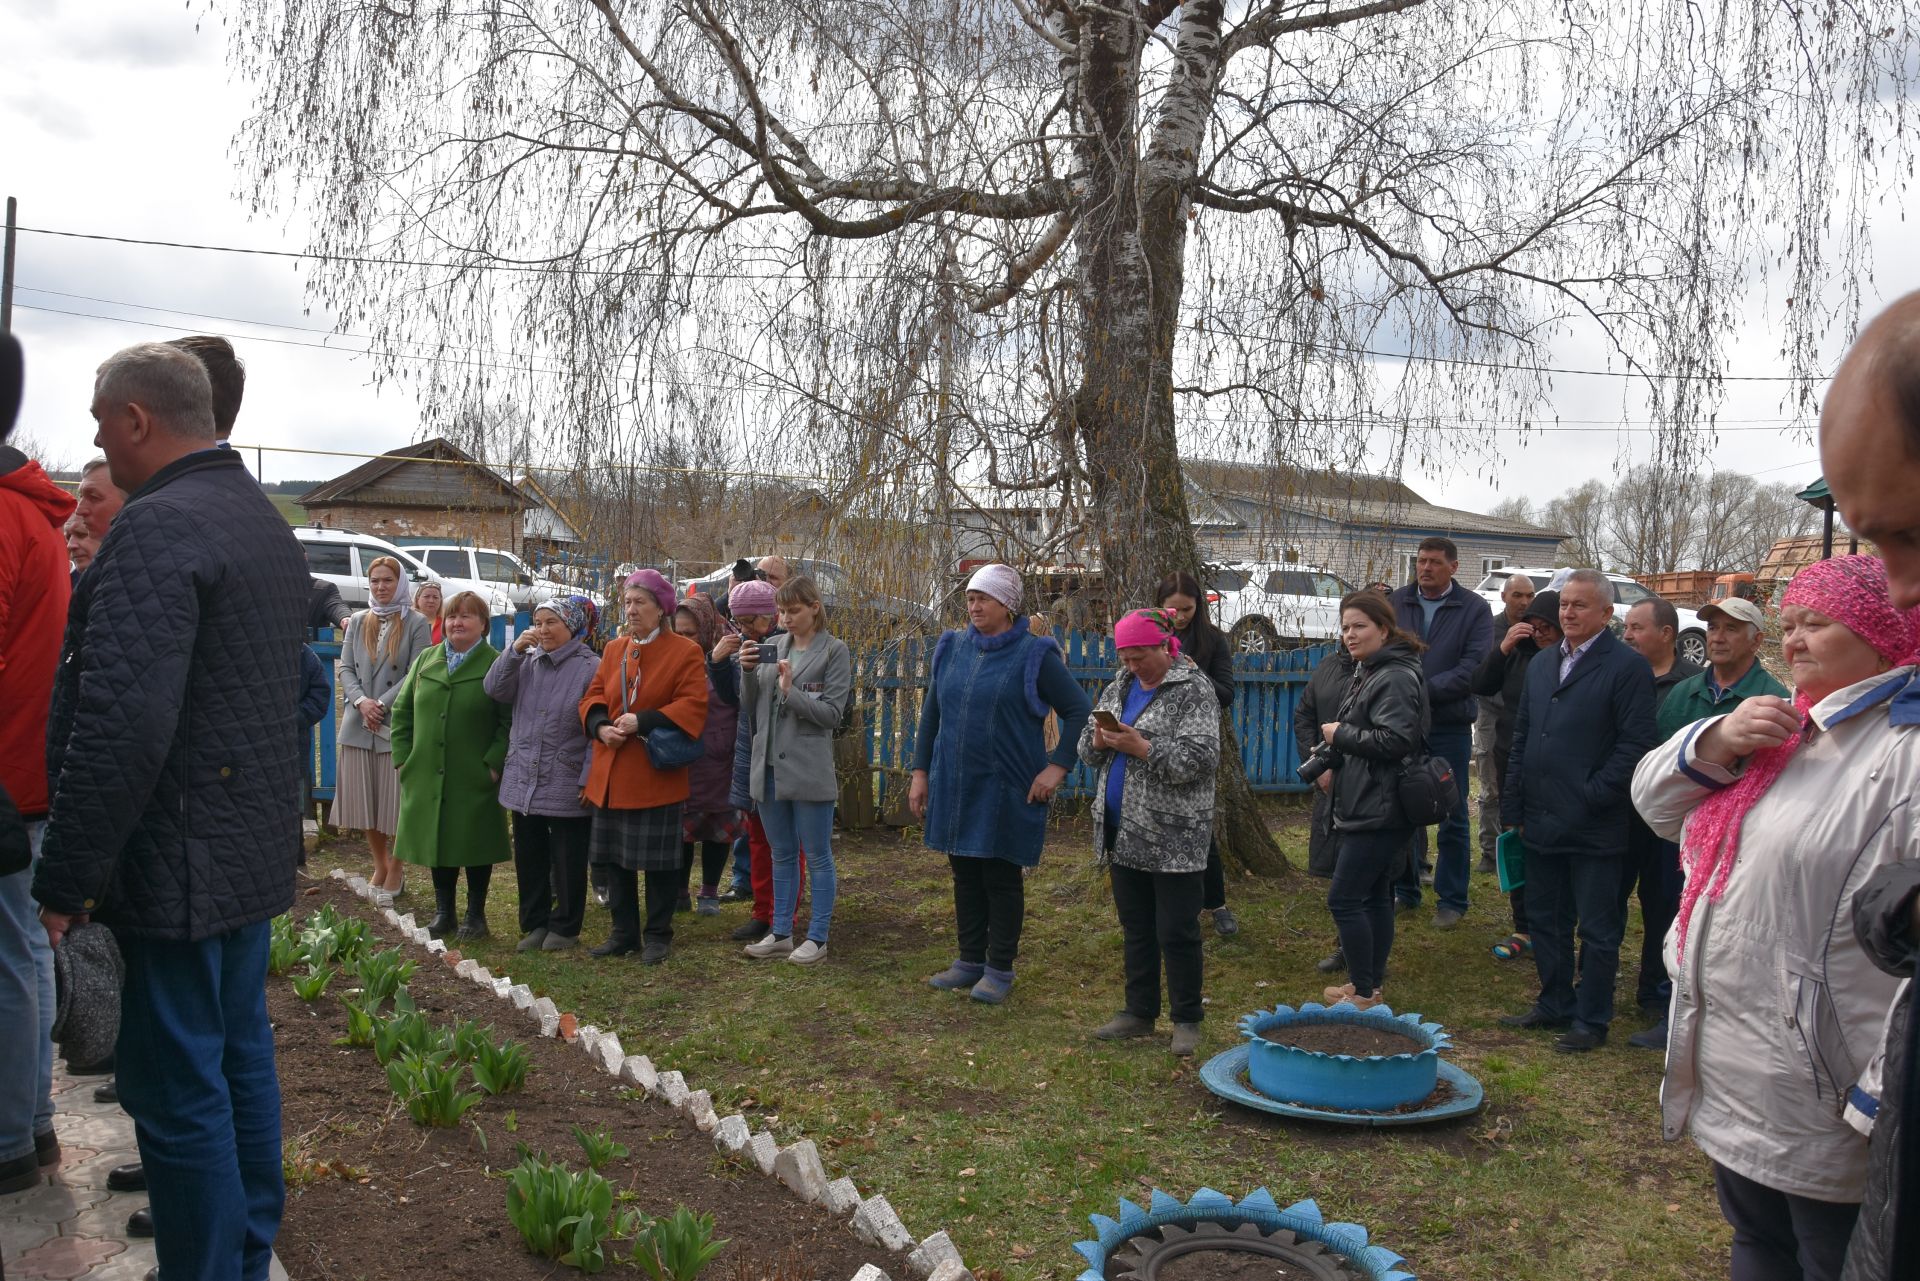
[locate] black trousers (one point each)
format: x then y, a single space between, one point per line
446 880
550 866
623 901
1781 1237
1160 922
1361 902
1214 887
1569 894
989 909
1651 866
713 862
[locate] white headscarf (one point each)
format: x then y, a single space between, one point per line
1002 582
402 593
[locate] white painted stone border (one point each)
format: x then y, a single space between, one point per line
797 1166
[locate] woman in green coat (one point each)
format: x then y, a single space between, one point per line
449 744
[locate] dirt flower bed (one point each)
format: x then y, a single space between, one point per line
370 1194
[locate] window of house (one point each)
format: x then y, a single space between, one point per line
449 560
329 558
1408 560
1490 563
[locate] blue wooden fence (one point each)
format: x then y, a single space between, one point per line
889 682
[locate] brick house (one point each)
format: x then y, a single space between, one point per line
431 491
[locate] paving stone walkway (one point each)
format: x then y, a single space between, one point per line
71 1226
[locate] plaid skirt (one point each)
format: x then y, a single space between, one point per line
643 840
715 826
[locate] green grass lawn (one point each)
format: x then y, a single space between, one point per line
1009 1125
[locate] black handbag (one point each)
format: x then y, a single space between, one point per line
1428 790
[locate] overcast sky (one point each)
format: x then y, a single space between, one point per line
118 118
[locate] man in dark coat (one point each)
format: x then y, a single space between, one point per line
1457 627
171 821
1585 720
1870 451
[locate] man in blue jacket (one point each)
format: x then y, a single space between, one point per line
1585 720
175 768
1458 629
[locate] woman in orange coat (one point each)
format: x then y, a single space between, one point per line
649 679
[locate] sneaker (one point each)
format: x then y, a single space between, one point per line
532 940
1447 917
994 987
1123 1027
707 905
773 945
1359 1002
1333 962
752 932
560 942
958 977
1225 924
1335 995
808 953
1186 1039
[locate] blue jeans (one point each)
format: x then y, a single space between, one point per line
742 867
791 827
196 1075
26 1001
1453 864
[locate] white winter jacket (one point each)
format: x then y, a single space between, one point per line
1778 1011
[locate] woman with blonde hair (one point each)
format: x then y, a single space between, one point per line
380 645
427 600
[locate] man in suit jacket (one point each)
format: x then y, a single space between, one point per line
1586 717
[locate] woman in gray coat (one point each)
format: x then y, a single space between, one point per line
795 703
1154 745
380 645
544 674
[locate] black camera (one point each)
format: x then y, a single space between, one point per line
1321 759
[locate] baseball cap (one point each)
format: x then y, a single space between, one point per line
1739 610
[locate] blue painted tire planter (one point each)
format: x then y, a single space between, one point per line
1309 1078
1302 1218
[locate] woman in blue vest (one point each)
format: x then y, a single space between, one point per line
982 776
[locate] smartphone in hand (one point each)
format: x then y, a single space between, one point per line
1107 720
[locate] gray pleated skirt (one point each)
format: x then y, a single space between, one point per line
366 791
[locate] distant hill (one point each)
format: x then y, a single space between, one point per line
295 514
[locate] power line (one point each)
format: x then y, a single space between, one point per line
1465 362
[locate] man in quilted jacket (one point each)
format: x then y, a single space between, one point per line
173 769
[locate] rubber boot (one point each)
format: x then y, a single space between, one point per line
443 920
994 986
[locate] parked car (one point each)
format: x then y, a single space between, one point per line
1273 606
1627 593
887 614
341 556
502 572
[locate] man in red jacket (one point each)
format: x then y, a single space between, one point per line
33 612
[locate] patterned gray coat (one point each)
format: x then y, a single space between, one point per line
1166 811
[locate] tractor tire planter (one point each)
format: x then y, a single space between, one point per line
1314 1079
1140 1242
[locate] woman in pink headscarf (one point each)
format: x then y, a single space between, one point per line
1783 811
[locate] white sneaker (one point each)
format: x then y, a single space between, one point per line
771 947
808 952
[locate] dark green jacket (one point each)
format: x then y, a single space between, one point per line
1693 699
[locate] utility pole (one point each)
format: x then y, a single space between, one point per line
6 273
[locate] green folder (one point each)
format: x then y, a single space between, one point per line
1510 857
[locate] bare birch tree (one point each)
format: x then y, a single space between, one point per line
930 247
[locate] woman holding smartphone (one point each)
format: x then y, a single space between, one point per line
1207 646
795 703
982 775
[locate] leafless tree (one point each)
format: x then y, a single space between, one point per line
1581 514
921 244
1514 507
1652 515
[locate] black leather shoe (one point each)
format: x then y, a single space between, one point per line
153 1274
1333 962
1653 1038
752 932
1580 1041
140 1222
1534 1018
474 927
615 946
46 1149
654 952
22 1174
441 925
108 1093
127 1178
